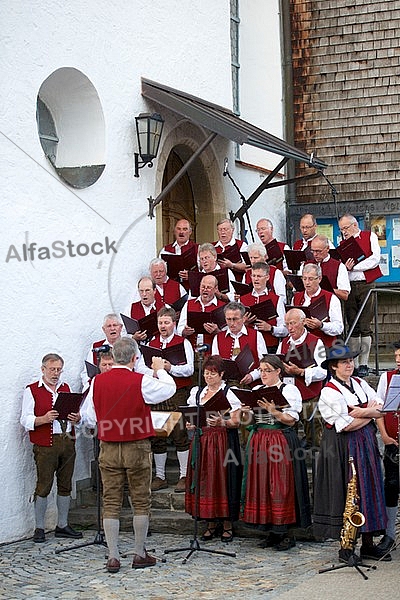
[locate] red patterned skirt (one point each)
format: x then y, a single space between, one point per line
268 493
219 475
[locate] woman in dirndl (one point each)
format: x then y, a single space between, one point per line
348 406
275 487
219 461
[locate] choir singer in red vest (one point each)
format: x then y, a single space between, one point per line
118 401
361 275
53 445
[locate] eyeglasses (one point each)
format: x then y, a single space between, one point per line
307 226
309 278
53 369
267 370
346 227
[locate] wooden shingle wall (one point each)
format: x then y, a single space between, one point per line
346 71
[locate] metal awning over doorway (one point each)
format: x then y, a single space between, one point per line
221 121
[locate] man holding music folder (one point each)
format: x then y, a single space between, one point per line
178 356
50 423
302 354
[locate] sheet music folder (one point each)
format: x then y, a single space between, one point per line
301 356
66 403
392 399
180 262
174 354
350 248
264 311
195 278
216 404
317 309
251 397
147 323
91 369
196 319
238 368
274 253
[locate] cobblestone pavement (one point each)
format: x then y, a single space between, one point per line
36 572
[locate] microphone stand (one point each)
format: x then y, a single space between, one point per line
99 539
194 545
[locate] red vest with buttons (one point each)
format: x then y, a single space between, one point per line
307 391
194 306
171 249
122 415
226 343
137 310
171 293
250 300
156 342
43 435
298 300
390 418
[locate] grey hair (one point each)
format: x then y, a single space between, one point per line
124 350
207 247
257 247
312 267
113 317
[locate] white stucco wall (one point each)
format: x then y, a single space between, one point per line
58 304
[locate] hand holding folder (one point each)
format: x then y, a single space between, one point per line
67 403
197 415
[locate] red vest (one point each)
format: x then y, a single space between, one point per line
298 300
239 244
172 249
171 293
364 240
95 354
122 415
298 245
181 382
330 269
43 435
137 310
250 300
226 342
193 306
307 391
390 418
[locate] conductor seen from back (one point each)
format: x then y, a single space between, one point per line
118 403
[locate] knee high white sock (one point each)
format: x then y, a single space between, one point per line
140 528
63 503
111 531
160 461
365 350
183 459
354 345
391 524
40 511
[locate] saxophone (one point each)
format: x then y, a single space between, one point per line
353 519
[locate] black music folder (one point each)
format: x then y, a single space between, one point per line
264 311
91 370
238 368
218 403
326 284
251 397
295 258
231 253
195 278
242 288
274 253
296 281
302 356
196 320
174 354
317 309
350 248
148 323
180 262
392 399
66 403
179 304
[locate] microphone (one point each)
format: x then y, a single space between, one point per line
225 171
103 348
202 348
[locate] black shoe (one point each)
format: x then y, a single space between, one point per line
349 557
386 544
374 553
67 532
38 536
363 371
285 544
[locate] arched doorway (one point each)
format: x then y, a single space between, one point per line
179 203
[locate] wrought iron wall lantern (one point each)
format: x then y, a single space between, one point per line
148 131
